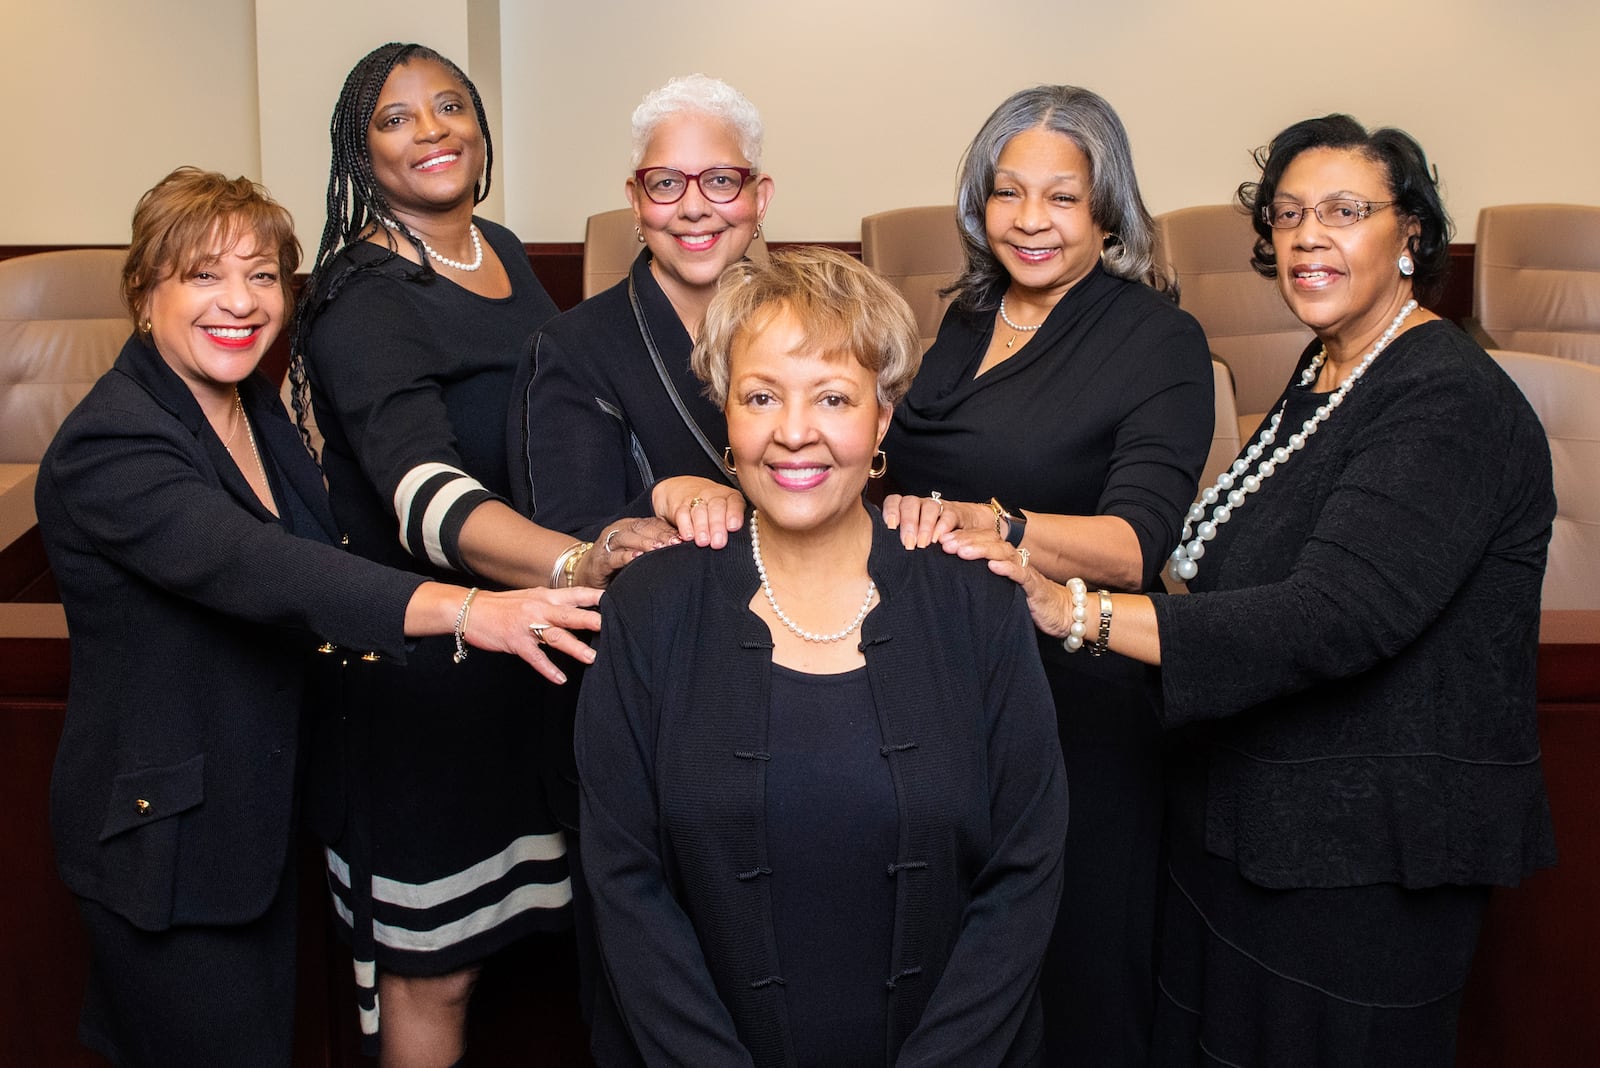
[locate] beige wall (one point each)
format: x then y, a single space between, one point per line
867 104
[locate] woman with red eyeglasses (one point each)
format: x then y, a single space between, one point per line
606 402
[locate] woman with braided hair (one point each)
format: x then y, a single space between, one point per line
417 311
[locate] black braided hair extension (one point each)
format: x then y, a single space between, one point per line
356 201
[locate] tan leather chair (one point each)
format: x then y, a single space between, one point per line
62 324
1225 438
610 246
918 250
1566 396
1536 282
1246 322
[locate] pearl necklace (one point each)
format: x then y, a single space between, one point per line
477 249
1018 329
1237 485
766 587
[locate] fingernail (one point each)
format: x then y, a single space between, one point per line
561 677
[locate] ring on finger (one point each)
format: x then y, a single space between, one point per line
537 630
695 501
614 532
1022 554
938 499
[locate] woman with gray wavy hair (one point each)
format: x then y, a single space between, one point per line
1066 383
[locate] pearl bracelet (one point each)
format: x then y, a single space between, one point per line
461 626
1078 629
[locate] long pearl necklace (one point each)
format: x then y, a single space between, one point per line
766 587
1016 329
1237 485
477 248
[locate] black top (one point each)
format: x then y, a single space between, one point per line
602 425
1360 652
409 375
1107 411
674 749
832 834
192 611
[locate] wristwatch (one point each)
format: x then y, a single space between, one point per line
1008 525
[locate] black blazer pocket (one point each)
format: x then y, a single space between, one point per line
139 840
147 796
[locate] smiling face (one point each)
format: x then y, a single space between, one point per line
1342 281
213 324
1037 217
694 239
427 149
804 427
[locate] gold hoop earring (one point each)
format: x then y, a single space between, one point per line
757 233
727 460
145 327
880 464
639 234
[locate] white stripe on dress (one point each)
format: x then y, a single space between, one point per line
405 502
450 887
487 918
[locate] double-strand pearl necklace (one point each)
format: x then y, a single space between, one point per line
1237 485
1016 329
477 248
766 587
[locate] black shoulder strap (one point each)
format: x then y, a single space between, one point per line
666 378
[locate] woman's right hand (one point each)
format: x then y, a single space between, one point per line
1049 603
704 511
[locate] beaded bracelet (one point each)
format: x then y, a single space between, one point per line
461 626
1078 629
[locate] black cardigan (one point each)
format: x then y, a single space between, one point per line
671 747
598 425
191 610
1360 648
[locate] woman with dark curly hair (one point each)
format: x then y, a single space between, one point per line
1350 685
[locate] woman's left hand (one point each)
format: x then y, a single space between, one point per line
703 511
619 544
922 521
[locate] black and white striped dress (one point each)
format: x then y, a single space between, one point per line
441 844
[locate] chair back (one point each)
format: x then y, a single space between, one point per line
1536 284
62 324
1566 395
610 247
918 251
1245 320
1225 438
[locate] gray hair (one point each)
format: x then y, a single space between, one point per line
706 95
1114 200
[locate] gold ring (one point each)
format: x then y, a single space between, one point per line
696 501
1023 553
537 630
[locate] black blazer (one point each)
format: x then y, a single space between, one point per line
191 610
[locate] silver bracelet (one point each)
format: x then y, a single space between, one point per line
461 626
558 571
1103 642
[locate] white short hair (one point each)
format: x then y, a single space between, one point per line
698 93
